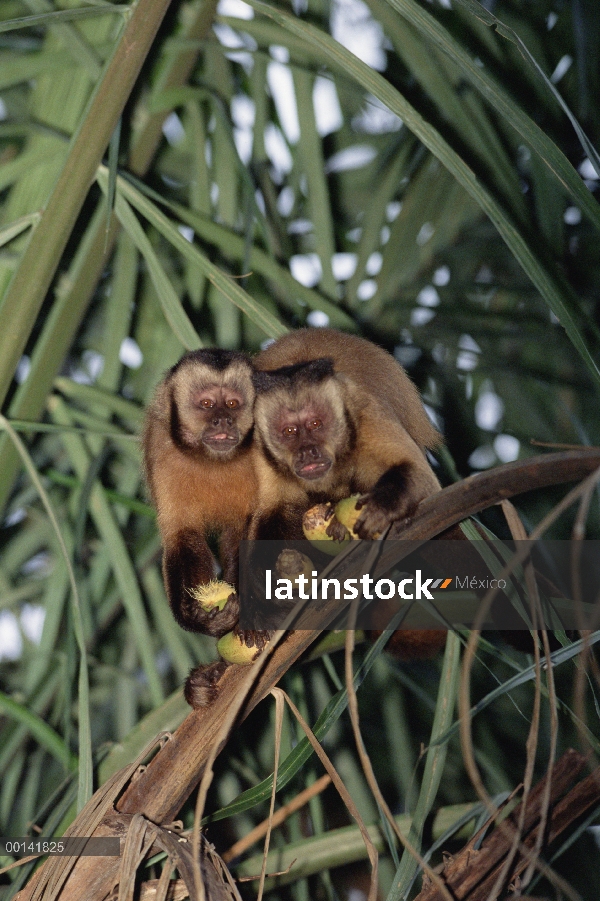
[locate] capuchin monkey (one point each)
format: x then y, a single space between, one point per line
200 467
336 415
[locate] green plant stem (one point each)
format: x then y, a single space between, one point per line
32 279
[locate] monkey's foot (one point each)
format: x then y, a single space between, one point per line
201 688
254 638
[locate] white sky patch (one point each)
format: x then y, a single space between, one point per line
281 85
32 622
285 201
375 118
130 354
343 266
393 210
355 28
11 642
328 112
428 297
563 66
228 37
551 21
384 235
588 171
407 355
39 565
367 289
306 269
260 201
94 363
173 130
351 158
279 53
425 233
466 342
356 894
242 57
374 263
354 235
15 517
483 457
421 316
243 111
300 227
572 215
441 276
485 276
23 368
243 144
318 319
489 410
3 112
235 8
187 232
466 360
507 448
92 366
277 149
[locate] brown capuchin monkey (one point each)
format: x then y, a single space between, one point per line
200 467
336 415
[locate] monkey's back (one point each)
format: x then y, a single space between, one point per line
366 365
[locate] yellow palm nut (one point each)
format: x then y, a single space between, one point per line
234 650
347 513
291 564
315 524
212 594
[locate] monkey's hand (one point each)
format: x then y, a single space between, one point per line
215 620
201 688
394 497
226 619
337 530
254 638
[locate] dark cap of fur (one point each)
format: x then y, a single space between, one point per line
214 357
310 372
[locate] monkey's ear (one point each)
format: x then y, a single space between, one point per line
307 372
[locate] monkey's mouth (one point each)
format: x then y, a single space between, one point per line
221 441
313 470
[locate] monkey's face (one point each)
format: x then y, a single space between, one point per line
211 412
304 428
301 438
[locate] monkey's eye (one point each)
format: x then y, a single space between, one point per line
206 403
289 431
232 404
314 424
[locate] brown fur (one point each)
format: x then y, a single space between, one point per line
366 365
201 472
375 432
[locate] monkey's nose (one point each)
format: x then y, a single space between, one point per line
310 450
222 420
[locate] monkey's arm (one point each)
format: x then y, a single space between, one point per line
401 477
187 564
